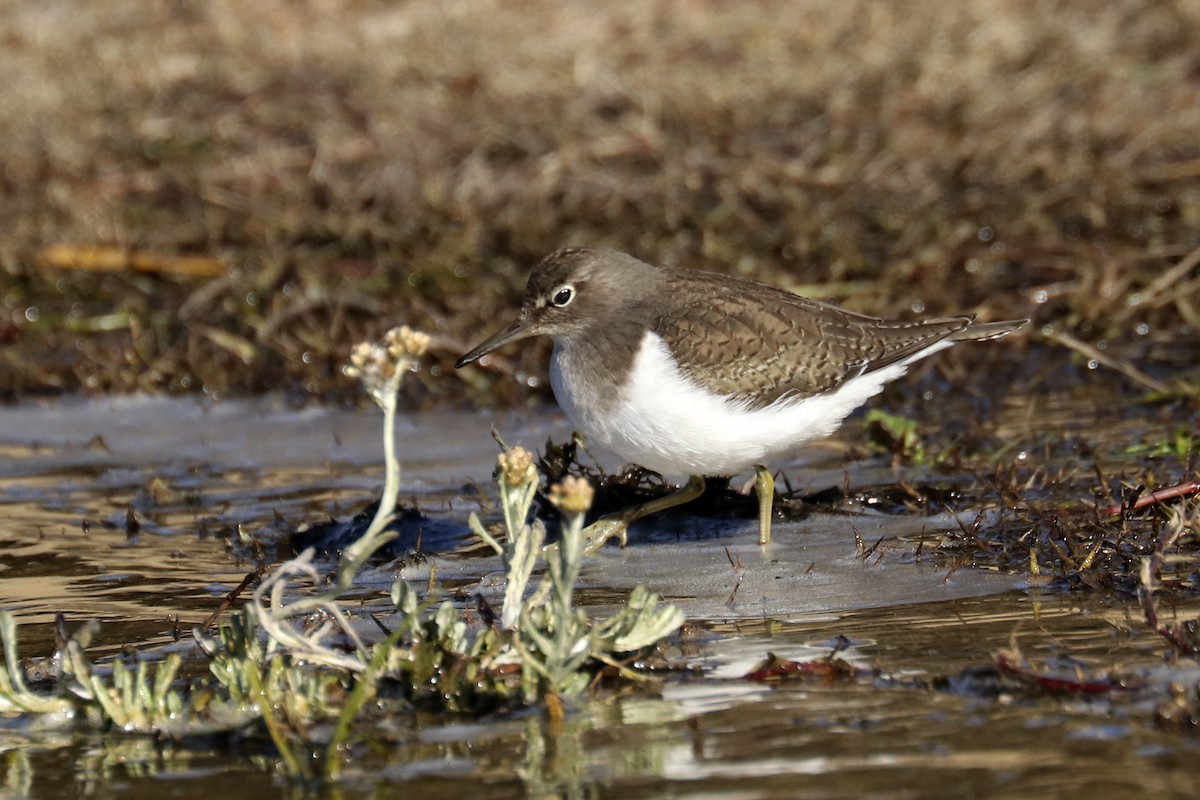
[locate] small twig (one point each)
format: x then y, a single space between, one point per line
735 562
228 599
863 556
1161 285
1103 482
1185 489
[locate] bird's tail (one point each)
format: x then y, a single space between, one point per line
982 331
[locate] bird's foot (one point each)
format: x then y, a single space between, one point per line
612 526
616 526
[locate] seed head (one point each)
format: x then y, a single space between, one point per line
516 467
404 341
572 495
376 365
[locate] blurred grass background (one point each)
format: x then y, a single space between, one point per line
333 168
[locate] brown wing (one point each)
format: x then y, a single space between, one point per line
755 343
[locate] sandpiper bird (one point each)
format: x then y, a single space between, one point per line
698 373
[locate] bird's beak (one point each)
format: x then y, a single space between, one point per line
519 329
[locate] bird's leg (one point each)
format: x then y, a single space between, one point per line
765 485
617 524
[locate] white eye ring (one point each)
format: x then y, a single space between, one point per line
563 296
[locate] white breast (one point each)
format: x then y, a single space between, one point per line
667 423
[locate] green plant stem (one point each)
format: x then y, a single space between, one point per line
275 727
363 688
391 480
377 534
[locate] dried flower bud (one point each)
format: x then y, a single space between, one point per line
517 467
405 342
572 495
379 366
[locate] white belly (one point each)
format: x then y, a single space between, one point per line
664 422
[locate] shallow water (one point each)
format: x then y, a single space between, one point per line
128 510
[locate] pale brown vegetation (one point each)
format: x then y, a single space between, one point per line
361 164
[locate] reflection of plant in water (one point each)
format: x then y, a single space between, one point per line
130 757
1183 637
555 762
291 658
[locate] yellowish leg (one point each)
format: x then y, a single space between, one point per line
765 484
617 525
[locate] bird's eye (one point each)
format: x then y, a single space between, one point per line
563 296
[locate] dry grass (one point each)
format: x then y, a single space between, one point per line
365 163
